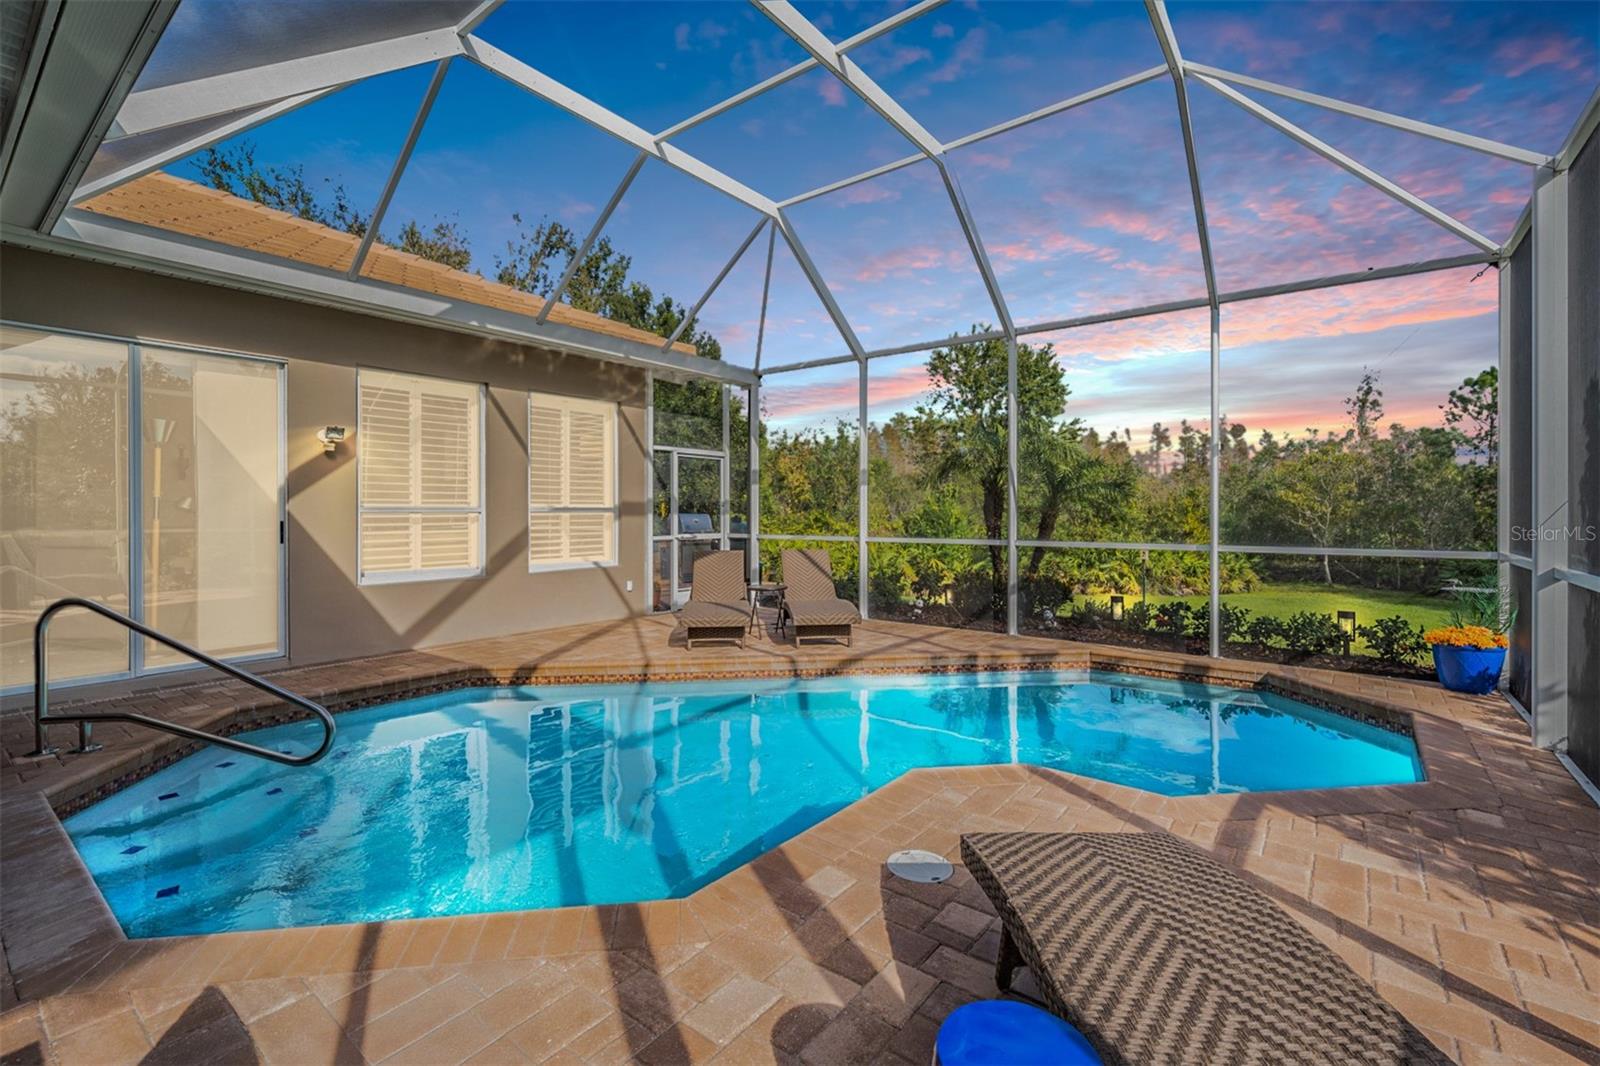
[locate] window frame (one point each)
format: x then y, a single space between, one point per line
407 577
613 410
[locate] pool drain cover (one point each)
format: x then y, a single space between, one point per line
921 866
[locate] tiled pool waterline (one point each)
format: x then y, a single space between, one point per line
516 798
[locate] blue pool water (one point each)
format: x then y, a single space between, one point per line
499 799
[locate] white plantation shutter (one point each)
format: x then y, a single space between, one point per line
420 447
572 482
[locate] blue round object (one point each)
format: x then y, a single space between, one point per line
1471 670
1002 1032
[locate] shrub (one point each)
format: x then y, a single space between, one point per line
1235 621
1173 618
1394 640
1267 631
1092 613
1309 633
972 594
1139 616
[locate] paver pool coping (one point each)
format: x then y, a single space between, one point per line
60 935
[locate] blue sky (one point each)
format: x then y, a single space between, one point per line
1084 212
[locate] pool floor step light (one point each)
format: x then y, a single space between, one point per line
41 695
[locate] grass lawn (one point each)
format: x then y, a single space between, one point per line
1283 600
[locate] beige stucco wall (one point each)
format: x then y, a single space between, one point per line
330 615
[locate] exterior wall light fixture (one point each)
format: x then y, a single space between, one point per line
331 437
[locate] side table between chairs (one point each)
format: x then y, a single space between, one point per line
767 588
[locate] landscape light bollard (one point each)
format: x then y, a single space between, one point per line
1116 608
1347 628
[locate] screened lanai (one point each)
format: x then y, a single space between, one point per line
1229 328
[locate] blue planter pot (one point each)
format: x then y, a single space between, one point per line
1474 670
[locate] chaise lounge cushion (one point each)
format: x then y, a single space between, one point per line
1158 954
834 612
699 614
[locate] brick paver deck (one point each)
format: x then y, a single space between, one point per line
1469 900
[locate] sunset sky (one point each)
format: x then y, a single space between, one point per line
1087 211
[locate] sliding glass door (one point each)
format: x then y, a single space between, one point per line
148 479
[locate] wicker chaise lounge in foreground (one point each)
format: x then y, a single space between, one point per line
719 600
811 602
1157 954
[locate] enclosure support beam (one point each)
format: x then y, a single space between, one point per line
1216 482
219 94
1365 173
579 106
650 575
753 424
715 283
871 33
1551 488
863 453
1310 285
820 287
1502 489
399 168
984 134
1175 66
1013 584
1383 118
890 110
1169 48
138 168
725 482
766 288
593 235
980 256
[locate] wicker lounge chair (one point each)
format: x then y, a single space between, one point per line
811 602
1157 954
719 600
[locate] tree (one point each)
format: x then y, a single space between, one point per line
234 170
1160 441
964 422
1473 411
442 242
1317 491
1365 407
1072 479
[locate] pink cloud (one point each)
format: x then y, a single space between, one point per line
1363 308
967 52
902 261
823 402
987 160
1041 245
899 58
831 91
1133 223
1463 94
867 192
1522 54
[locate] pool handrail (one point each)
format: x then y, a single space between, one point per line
41 695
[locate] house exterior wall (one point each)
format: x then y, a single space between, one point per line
329 614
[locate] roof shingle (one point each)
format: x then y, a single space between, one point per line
180 206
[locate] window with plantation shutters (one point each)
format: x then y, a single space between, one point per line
420 442
572 482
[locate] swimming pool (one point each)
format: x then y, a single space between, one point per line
501 799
